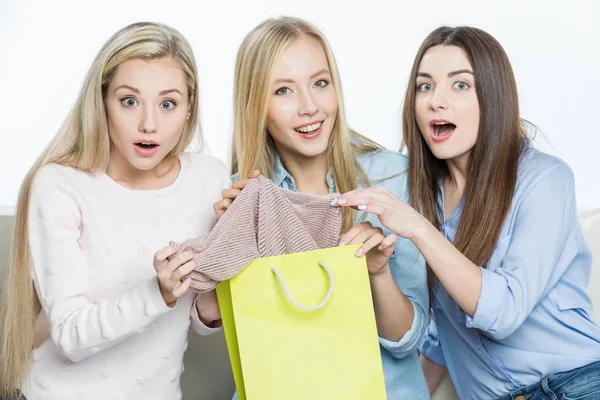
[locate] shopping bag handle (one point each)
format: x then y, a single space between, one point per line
302 306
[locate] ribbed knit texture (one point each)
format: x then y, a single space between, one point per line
263 221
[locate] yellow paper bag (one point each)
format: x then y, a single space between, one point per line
302 326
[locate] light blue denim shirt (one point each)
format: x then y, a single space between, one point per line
533 317
403 374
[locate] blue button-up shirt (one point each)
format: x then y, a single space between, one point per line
402 371
533 317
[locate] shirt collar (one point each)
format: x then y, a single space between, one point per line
282 178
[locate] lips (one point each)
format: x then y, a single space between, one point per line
146 144
146 148
309 128
441 129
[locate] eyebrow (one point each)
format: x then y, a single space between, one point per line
128 87
138 91
450 74
319 72
170 91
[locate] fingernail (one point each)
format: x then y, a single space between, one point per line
362 207
380 248
359 252
334 201
342 243
342 201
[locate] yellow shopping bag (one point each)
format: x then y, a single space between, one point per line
302 326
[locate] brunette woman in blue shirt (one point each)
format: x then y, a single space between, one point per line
498 229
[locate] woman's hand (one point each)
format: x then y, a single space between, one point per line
170 272
207 306
377 247
393 213
228 195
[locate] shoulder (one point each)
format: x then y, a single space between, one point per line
198 160
387 168
207 168
56 191
539 169
52 177
382 163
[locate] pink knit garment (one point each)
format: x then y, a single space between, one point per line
263 221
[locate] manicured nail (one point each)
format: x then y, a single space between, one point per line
342 201
362 207
359 252
334 201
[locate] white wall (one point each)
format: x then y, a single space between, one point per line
47 46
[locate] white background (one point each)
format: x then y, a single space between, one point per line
46 48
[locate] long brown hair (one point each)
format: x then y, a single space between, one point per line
252 145
492 165
83 143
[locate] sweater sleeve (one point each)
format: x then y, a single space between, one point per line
196 325
79 325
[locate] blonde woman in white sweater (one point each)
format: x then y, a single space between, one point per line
93 307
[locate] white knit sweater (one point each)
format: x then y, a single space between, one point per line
92 244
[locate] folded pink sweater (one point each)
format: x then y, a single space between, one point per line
263 221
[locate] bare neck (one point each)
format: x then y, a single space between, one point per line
161 176
310 173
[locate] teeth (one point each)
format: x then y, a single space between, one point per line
309 128
441 123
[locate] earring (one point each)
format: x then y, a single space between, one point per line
188 116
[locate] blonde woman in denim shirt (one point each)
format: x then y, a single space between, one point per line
290 125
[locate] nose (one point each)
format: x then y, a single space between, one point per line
308 106
438 100
147 121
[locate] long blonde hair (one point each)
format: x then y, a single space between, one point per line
252 146
83 143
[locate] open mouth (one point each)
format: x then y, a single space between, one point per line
308 129
146 145
441 128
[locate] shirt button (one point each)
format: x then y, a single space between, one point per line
520 398
141 380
